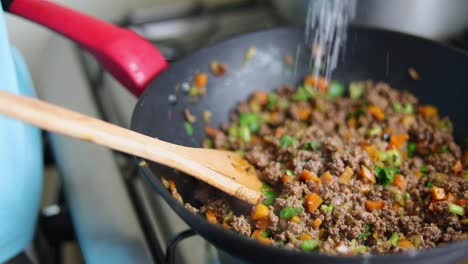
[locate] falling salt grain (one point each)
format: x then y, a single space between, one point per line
172 98
185 87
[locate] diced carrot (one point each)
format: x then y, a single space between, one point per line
320 82
408 120
260 97
313 201
364 144
376 112
296 219
457 167
279 132
349 135
211 132
309 176
260 211
417 173
438 193
404 243
255 140
428 111
422 148
322 232
388 130
200 80
366 188
352 122
211 217
404 155
218 68
309 80
264 240
172 186
256 233
399 181
374 205
345 177
465 159
397 141
372 152
262 223
286 178
304 112
375 235
317 222
450 198
462 201
326 178
395 206
464 222
367 174
305 236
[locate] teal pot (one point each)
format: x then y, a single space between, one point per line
21 158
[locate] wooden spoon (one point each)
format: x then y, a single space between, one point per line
224 170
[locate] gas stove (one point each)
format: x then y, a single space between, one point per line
116 216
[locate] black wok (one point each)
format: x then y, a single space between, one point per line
370 54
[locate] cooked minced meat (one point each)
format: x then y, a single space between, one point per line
241 225
372 172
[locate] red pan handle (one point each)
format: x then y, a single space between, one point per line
128 57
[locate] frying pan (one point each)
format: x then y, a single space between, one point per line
370 54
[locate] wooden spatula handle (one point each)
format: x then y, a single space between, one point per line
60 120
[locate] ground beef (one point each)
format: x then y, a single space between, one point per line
451 234
273 220
297 189
321 146
290 201
431 234
241 225
191 208
272 173
218 206
443 161
259 157
220 141
295 228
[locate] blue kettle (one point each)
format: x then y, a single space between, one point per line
21 158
